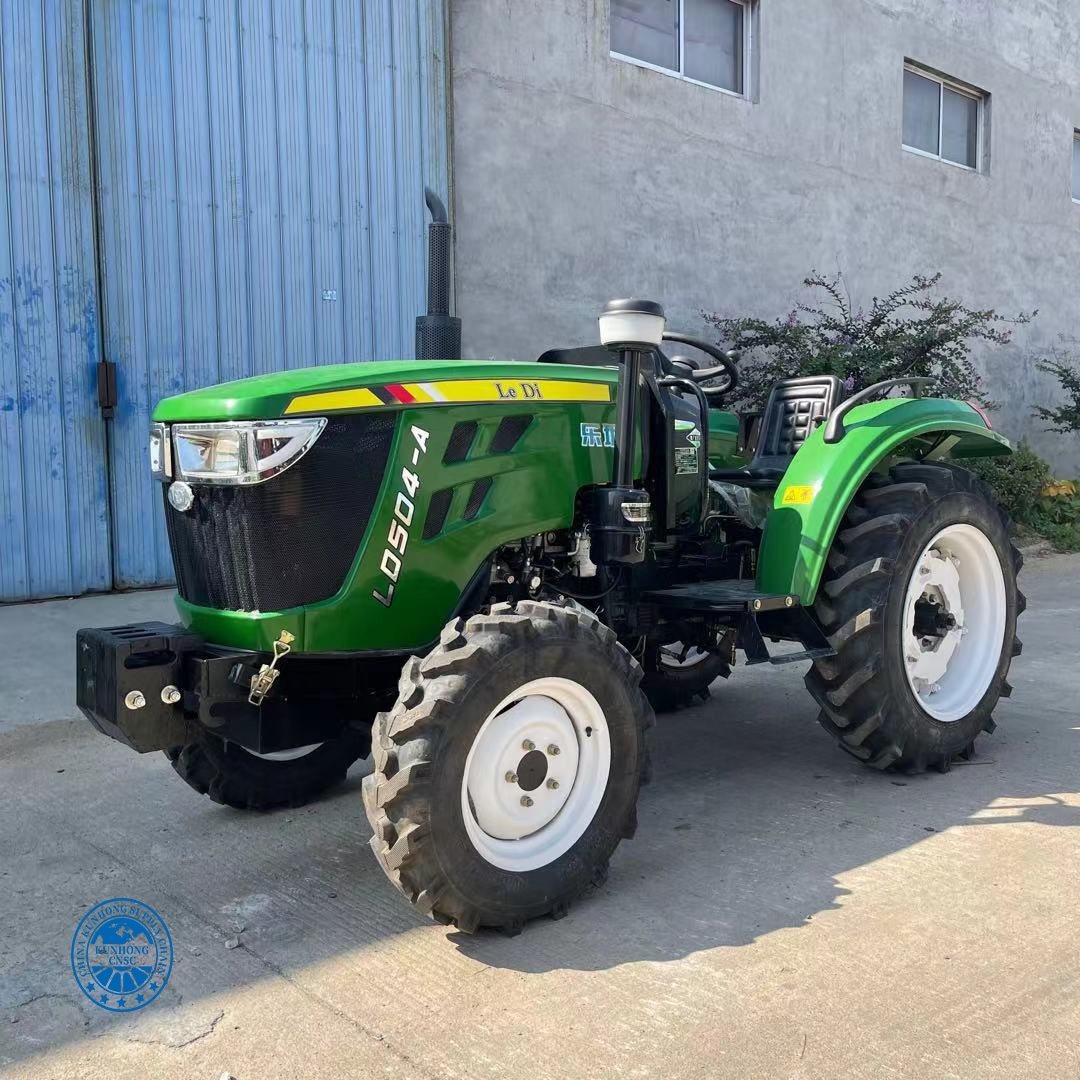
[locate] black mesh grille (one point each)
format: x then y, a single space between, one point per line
291 540
508 432
460 442
437 511
476 498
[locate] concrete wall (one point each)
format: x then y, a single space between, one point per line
579 177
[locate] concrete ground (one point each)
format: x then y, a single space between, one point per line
781 912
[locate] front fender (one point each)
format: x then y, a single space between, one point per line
823 478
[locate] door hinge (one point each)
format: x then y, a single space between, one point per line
106 388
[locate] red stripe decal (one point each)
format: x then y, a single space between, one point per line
401 394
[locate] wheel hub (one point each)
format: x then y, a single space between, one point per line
532 770
536 774
507 764
954 621
680 655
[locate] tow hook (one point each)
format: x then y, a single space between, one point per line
263 681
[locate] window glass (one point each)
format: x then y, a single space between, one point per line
959 127
646 30
922 104
713 42
1076 166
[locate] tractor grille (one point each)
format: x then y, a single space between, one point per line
291 540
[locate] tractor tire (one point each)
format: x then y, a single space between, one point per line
233 776
508 770
674 685
920 601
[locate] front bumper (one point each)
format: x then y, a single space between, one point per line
147 659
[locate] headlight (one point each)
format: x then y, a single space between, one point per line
240 453
160 452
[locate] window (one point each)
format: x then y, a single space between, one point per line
941 118
705 41
1076 167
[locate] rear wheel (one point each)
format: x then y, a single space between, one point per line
677 673
508 770
240 778
920 601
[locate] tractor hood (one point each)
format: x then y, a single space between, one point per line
348 387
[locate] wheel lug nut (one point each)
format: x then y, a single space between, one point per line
528 744
553 750
553 784
511 777
526 801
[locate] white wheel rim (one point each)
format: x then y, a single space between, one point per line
286 755
958 585
562 722
678 655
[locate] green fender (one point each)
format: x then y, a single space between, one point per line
823 478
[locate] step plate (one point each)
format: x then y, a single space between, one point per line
726 596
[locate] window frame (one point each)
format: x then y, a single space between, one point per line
1072 189
747 45
970 92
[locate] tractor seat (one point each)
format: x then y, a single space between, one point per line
794 409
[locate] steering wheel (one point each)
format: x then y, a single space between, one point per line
726 368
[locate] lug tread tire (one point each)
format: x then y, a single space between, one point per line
398 795
852 688
229 775
669 689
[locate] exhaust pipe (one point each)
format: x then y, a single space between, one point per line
438 333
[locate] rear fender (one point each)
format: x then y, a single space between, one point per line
823 478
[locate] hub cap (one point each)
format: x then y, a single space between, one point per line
536 774
954 622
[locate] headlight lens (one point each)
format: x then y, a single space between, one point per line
240 453
160 452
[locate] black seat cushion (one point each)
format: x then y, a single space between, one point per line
794 409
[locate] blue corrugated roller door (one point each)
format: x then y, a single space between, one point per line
251 173
54 523
261 168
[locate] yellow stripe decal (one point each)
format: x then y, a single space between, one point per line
457 391
360 398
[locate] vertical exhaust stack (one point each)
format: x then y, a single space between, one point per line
438 333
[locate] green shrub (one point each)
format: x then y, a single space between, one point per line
1058 520
1015 479
1065 418
909 332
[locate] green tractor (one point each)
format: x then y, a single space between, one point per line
487 575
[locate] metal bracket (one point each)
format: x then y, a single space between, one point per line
791 624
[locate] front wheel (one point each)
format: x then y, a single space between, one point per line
507 772
233 776
920 602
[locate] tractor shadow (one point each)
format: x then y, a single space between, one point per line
754 823
755 820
